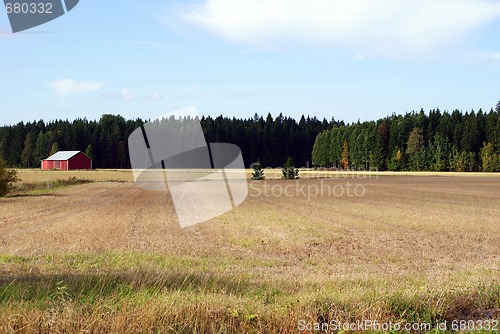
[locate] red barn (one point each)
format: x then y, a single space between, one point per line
67 160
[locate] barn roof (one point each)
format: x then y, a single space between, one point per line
63 155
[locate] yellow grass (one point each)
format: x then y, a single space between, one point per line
37 175
127 175
111 258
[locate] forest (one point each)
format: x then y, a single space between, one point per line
270 140
416 141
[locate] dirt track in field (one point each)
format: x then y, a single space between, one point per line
92 217
405 223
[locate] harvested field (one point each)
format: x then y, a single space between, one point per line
37 175
110 257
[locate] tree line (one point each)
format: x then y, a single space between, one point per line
416 141
270 140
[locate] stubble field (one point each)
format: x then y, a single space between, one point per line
108 257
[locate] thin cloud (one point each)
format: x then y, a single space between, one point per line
66 87
493 55
127 95
155 44
389 28
156 97
475 57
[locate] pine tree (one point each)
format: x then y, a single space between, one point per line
289 172
438 152
41 148
415 150
3 144
27 154
382 145
321 148
258 171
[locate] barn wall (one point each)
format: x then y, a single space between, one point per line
46 164
63 165
80 161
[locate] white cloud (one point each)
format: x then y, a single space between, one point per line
127 95
155 44
66 87
155 96
360 56
475 57
493 55
375 27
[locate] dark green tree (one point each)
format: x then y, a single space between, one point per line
7 178
288 171
438 153
28 150
258 171
89 151
41 149
416 150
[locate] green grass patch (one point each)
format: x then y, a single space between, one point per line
186 294
45 187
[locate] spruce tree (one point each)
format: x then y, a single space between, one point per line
27 153
258 171
289 172
415 150
41 148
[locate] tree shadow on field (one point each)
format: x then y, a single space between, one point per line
35 195
88 287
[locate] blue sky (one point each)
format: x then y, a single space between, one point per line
362 59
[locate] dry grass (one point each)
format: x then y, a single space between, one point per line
110 258
43 188
126 175
37 175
